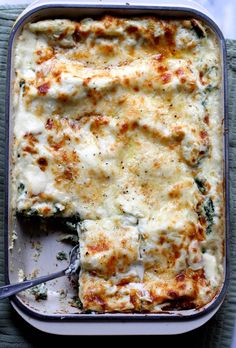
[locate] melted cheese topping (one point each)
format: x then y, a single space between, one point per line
118 121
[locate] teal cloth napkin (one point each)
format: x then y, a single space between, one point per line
217 333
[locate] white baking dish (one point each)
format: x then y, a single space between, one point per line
53 314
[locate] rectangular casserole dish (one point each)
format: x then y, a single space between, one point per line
32 249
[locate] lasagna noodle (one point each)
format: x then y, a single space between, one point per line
118 122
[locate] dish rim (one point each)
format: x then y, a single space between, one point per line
168 315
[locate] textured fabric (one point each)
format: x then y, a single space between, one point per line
217 333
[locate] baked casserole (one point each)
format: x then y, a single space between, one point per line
118 123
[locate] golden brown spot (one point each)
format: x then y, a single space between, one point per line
180 277
178 133
162 240
121 100
86 81
159 57
157 164
101 246
30 150
173 294
45 197
145 127
162 68
127 82
191 230
182 287
46 210
107 50
131 51
39 110
166 78
147 84
31 138
175 192
39 74
206 119
44 55
131 29
192 85
42 162
100 32
97 123
200 235
43 89
123 282
176 251
201 74
203 134
49 124
111 265
197 275
170 35
124 128
63 97
56 145
124 243
134 299
91 298
94 95
57 75
180 72
68 174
